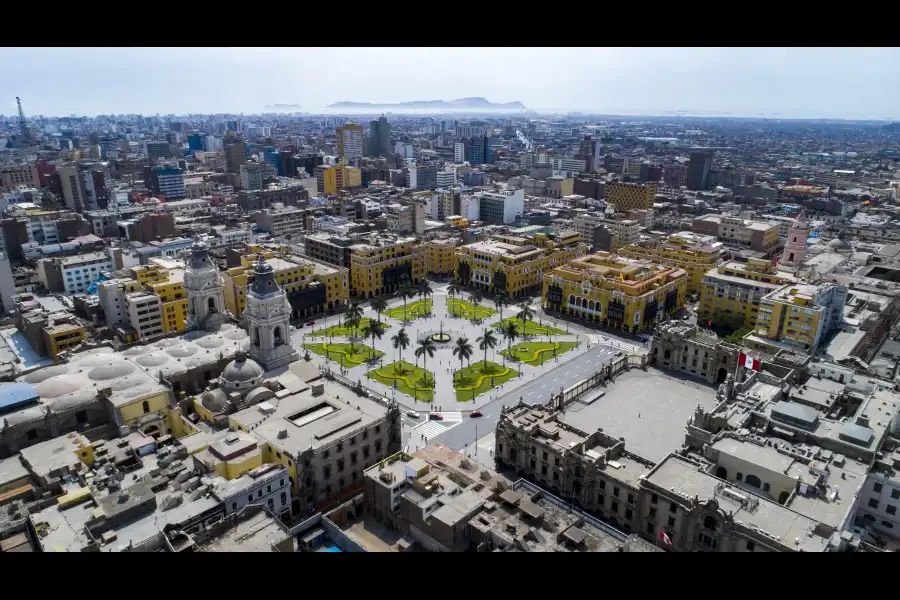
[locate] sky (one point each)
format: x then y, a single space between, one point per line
850 83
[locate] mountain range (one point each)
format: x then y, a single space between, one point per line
280 106
451 105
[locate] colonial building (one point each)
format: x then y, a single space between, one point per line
268 320
205 289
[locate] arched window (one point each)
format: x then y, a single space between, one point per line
584 303
278 339
740 477
766 487
212 305
146 406
591 305
256 336
753 480
667 354
710 522
571 299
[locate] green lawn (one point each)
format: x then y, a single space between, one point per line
464 308
531 327
341 353
338 330
410 379
537 353
414 310
478 378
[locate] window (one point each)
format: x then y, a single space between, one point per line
555 475
673 507
751 545
873 503
628 513
531 463
671 521
602 485
270 504
895 493
630 499
327 472
281 483
891 509
877 487
616 492
533 451
250 498
650 528
146 406
283 498
555 460
543 469
653 499
739 476
614 507
234 506
652 514
259 493
268 489
545 455
887 524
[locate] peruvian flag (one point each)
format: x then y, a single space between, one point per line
662 537
748 361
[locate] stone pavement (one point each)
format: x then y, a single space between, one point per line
444 363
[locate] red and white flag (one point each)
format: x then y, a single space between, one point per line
664 538
748 361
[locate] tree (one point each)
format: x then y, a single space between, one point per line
406 292
475 296
501 300
378 305
510 333
426 292
352 319
488 341
463 349
401 343
375 331
454 289
525 313
425 350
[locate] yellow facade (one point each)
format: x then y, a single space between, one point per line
149 273
293 275
618 292
630 196
234 468
690 252
274 455
515 263
60 338
339 177
460 222
157 403
440 256
790 316
173 302
376 270
730 294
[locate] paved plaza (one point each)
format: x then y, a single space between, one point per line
443 364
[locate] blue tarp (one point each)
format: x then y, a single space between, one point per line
13 394
332 549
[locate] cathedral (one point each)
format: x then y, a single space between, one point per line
205 289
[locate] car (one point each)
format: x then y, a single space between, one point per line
310 323
412 414
435 417
685 317
475 413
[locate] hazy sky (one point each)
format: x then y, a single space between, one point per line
790 82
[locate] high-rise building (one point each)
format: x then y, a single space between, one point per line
481 150
630 196
235 156
169 182
251 176
350 138
698 170
379 137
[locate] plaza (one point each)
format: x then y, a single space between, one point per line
452 389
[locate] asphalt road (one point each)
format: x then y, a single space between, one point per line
534 392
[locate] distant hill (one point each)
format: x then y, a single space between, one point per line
459 104
283 106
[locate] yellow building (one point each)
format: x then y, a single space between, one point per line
617 292
383 264
339 177
62 336
516 262
173 300
458 221
630 196
798 315
312 287
440 256
231 454
694 253
730 294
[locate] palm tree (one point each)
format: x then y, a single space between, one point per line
510 333
453 289
425 350
374 330
426 292
378 305
475 296
463 350
352 319
488 341
501 300
406 292
525 313
401 343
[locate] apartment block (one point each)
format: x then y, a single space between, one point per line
799 315
630 196
731 293
283 222
736 231
144 315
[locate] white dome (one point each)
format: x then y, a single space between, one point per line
242 373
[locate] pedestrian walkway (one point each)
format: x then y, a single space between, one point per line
432 429
596 338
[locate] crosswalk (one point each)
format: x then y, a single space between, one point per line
432 429
596 338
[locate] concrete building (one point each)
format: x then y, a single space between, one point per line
627 231
736 231
630 196
618 292
731 293
799 315
73 274
282 222
251 177
697 176
694 253
144 312
501 207
351 142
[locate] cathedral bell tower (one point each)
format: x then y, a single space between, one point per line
205 289
268 319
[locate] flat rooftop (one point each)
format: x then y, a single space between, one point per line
255 533
649 409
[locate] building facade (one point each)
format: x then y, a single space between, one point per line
731 293
693 253
630 196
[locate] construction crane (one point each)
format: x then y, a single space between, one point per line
26 135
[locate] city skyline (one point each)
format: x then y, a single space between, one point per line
789 83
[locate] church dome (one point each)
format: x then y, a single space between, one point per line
242 373
839 245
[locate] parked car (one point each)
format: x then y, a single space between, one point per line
435 417
412 414
310 322
475 413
